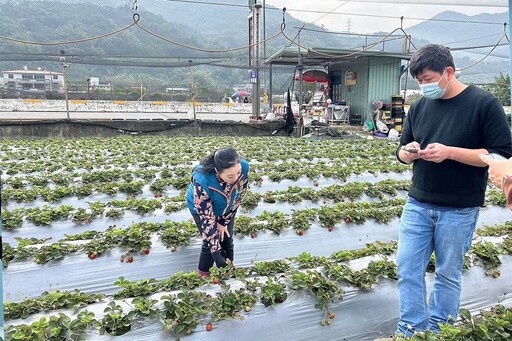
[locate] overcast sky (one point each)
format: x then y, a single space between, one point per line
365 14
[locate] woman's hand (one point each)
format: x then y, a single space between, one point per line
222 231
497 169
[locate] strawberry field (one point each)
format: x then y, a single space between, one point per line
98 243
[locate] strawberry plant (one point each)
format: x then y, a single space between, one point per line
178 234
506 245
179 280
487 253
306 260
276 221
301 219
12 219
270 267
273 292
54 251
181 312
145 307
496 230
135 238
115 322
142 288
228 305
251 200
78 327
114 213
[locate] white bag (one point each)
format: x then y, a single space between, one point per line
382 127
393 134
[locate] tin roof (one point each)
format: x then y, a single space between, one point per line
324 56
44 72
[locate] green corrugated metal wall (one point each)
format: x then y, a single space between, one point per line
378 78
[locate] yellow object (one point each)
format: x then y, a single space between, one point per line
33 101
78 101
159 103
398 128
121 102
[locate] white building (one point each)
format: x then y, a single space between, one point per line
34 83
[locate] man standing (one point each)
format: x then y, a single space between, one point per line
444 133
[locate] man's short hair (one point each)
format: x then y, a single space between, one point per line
433 57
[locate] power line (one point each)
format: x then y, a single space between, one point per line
345 33
349 14
485 3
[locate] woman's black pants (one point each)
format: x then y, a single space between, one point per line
206 260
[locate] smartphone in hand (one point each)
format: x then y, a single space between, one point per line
411 150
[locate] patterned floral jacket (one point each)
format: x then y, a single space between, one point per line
216 202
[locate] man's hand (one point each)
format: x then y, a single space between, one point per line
410 156
435 152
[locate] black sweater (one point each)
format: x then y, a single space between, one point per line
473 119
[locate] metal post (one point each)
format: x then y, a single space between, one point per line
193 88
300 68
254 56
64 67
270 102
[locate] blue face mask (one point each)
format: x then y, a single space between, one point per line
433 90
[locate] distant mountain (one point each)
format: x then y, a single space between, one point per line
456 29
208 26
470 38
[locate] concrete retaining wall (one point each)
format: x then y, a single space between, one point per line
90 128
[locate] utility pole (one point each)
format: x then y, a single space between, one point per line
300 69
64 67
192 89
254 54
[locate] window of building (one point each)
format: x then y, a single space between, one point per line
55 77
26 86
11 75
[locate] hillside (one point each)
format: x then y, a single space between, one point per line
134 56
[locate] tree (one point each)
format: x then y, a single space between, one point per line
500 88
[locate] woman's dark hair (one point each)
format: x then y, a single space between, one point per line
433 57
222 159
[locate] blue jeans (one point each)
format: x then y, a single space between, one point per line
448 233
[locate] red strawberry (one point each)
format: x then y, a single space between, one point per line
130 259
92 255
146 252
215 280
121 259
300 232
332 316
209 327
347 220
155 195
253 235
331 228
